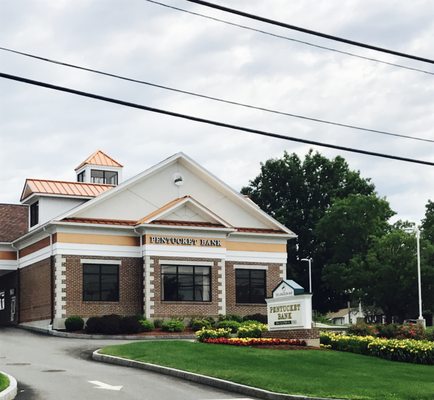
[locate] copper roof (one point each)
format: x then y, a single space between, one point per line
259 230
187 223
100 158
167 206
101 221
63 188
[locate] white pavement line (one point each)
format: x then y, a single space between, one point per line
105 386
11 391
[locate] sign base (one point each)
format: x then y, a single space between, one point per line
310 336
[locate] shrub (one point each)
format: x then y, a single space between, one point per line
197 324
93 325
111 324
387 331
256 341
146 326
74 323
256 317
212 333
429 334
251 330
406 350
173 325
230 317
362 329
411 331
130 325
158 323
229 324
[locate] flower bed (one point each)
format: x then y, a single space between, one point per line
406 350
256 341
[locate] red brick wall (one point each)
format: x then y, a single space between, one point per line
272 280
35 291
130 289
164 309
293 334
13 221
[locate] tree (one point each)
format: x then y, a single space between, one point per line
297 193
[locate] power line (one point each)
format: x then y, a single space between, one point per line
250 106
311 32
208 121
347 53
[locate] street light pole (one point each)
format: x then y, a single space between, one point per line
421 320
309 260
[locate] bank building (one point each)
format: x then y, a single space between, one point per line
173 240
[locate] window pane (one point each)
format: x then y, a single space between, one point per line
185 287
201 270
109 288
96 176
109 269
91 287
185 270
168 269
170 288
111 177
91 268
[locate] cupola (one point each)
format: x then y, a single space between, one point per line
99 168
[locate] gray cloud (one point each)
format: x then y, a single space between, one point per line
46 134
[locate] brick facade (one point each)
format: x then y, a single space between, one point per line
130 289
13 221
311 336
165 309
273 277
35 294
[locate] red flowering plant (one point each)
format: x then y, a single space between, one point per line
411 331
255 341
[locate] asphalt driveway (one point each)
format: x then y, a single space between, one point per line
49 368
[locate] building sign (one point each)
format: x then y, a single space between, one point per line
288 314
183 241
290 308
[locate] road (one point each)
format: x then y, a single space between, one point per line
49 368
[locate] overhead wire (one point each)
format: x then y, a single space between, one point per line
208 121
310 31
213 98
347 53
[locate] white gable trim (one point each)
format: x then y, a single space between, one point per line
192 165
195 203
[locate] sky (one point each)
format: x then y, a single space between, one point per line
46 134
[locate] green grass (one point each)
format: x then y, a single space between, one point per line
303 372
4 382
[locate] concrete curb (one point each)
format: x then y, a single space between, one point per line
72 335
11 391
203 379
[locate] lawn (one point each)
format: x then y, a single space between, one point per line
4 382
322 373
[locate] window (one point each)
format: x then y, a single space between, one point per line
100 282
34 213
250 285
107 177
80 177
185 283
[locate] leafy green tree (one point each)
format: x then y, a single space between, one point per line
297 193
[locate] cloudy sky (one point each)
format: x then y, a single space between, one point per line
46 134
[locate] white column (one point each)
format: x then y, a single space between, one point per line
222 287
